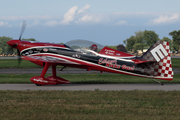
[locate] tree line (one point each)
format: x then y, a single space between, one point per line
5 48
144 39
140 41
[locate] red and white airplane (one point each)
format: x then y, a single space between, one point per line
155 63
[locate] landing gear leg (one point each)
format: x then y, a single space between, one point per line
40 80
51 80
158 82
56 79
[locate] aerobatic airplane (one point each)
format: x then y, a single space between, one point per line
154 64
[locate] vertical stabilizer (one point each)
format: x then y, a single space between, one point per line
160 66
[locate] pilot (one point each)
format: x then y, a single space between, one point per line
94 47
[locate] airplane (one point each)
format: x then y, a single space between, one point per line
155 63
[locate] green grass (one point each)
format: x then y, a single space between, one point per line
175 62
87 78
13 63
88 105
75 105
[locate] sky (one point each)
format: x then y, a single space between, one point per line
107 22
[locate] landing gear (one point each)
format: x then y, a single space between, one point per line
51 80
158 82
38 85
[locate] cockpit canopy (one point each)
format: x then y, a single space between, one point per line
85 46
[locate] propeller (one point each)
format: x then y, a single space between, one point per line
22 29
15 45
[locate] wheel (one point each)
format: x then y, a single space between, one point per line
38 85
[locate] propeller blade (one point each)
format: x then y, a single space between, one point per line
22 29
19 57
18 53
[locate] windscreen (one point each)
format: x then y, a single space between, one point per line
85 46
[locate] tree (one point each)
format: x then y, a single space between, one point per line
141 40
150 37
139 44
4 45
5 48
129 43
1 50
176 39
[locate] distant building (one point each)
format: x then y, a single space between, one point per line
140 51
121 48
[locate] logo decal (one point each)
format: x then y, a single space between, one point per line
157 52
109 63
110 52
45 50
113 64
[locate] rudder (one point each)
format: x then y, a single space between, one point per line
159 55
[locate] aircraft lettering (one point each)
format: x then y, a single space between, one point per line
111 52
38 80
109 63
127 67
157 52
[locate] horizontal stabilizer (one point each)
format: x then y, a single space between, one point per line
112 52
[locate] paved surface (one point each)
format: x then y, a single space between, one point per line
65 71
9 57
39 70
92 87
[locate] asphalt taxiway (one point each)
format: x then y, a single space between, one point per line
93 87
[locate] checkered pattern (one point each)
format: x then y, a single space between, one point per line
163 68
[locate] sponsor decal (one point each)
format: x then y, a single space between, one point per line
38 80
127 67
113 64
76 56
109 63
45 50
109 52
30 51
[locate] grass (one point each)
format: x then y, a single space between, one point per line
13 63
87 78
111 105
80 105
175 62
